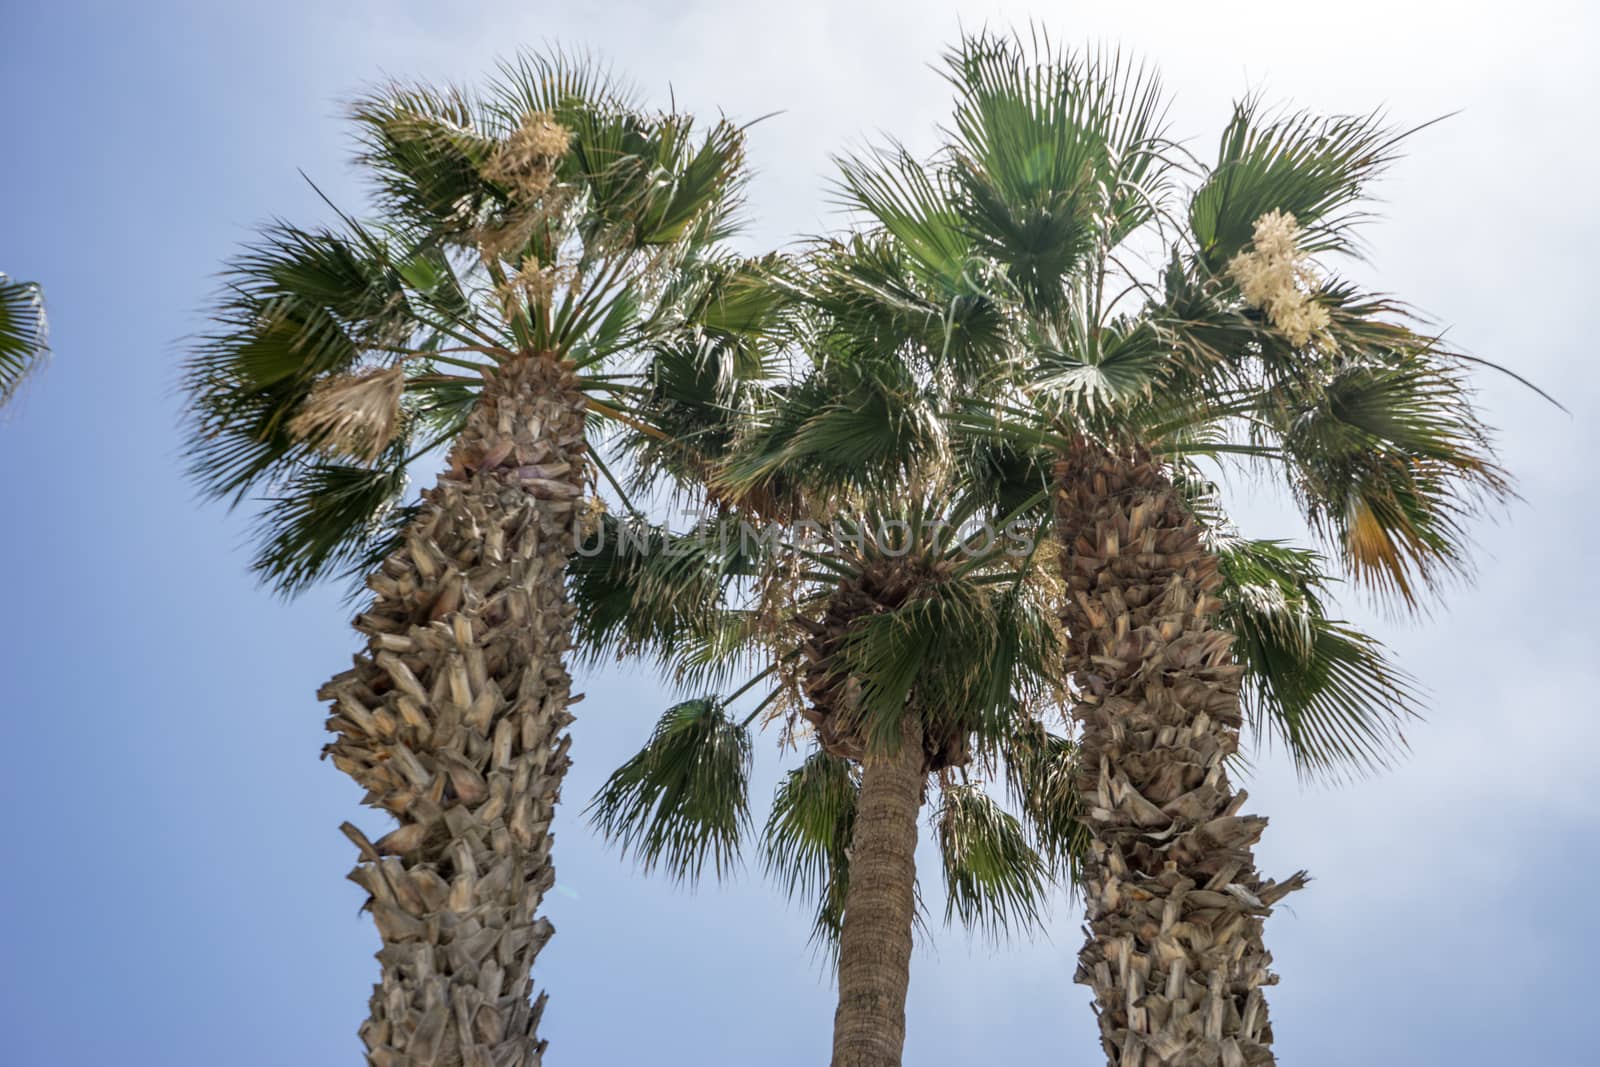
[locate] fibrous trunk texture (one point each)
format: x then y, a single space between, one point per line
1175 906
453 721
869 1027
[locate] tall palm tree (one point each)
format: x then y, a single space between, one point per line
23 333
529 238
905 651
1245 345
1018 249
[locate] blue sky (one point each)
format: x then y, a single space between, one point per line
173 885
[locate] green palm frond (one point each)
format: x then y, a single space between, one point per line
999 478
646 181
24 333
805 843
970 648
557 81
1318 685
707 372
329 517
994 878
914 206
301 303
683 799
1213 342
424 152
1039 768
300 309
1124 365
856 423
652 181
743 306
689 409
875 299
1316 168
1056 155
1024 429
640 588
1389 461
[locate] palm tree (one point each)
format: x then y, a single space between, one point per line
1246 345
907 656
23 333
529 238
905 651
1016 251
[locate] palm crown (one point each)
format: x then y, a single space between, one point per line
547 215
844 633
1014 255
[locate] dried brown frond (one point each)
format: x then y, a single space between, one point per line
353 415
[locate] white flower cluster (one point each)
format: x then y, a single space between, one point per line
524 166
1275 277
524 163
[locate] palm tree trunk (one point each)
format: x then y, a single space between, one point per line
1174 954
869 1027
453 720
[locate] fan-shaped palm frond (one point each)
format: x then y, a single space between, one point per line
24 333
1039 768
1317 169
641 589
1123 366
1389 460
911 204
684 798
805 844
972 649
994 878
707 369
1324 689
1056 155
860 423
329 516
